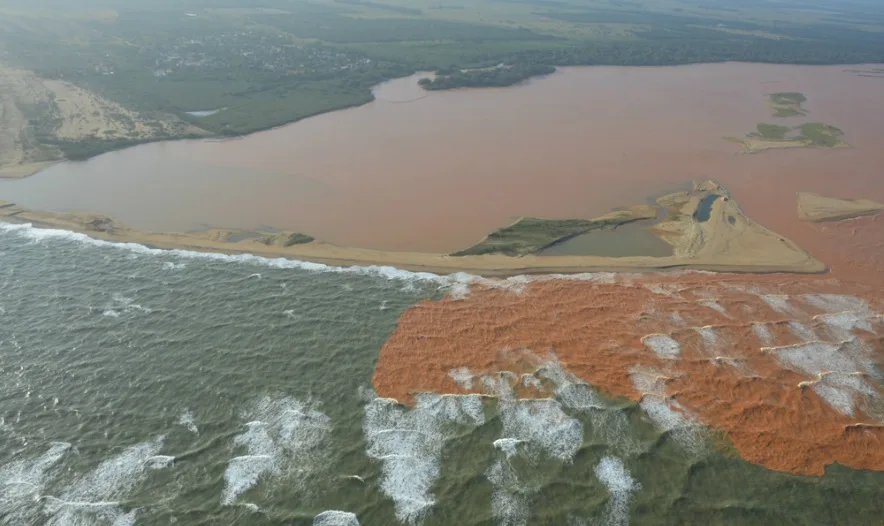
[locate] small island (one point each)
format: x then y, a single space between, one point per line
774 136
817 208
787 104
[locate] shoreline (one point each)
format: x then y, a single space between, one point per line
372 97
794 260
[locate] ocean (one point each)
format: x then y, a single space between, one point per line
152 387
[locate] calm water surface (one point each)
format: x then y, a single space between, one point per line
436 172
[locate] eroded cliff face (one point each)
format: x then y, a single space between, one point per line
787 367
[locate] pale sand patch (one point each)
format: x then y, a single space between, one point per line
816 208
32 107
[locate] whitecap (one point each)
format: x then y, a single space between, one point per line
462 377
23 481
187 420
336 518
762 332
94 498
662 345
284 439
614 476
408 442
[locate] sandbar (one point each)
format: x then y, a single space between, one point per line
725 241
818 208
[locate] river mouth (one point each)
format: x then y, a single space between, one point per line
435 172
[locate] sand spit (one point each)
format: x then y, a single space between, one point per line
722 240
817 208
784 402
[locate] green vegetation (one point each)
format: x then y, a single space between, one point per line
285 239
772 131
787 104
490 77
289 59
821 135
809 135
530 234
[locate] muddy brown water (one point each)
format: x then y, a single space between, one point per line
437 171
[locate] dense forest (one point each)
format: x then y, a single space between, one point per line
264 63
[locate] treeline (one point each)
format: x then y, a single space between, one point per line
485 78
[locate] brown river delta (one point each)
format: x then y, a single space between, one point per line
786 366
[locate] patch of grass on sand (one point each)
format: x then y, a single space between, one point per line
285 239
787 104
531 234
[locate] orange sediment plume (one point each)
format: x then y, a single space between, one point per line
787 367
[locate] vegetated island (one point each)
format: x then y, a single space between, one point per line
817 208
705 227
775 136
497 76
787 104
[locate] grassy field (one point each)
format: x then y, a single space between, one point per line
289 59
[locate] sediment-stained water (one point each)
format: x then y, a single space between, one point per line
437 171
150 387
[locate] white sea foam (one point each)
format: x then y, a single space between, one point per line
543 426
283 438
801 330
840 390
95 498
336 518
833 303
39 235
169 265
817 357
842 324
409 442
648 380
676 319
762 332
664 289
712 342
187 420
509 501
509 446
714 305
663 345
671 417
22 481
462 377
614 476
780 303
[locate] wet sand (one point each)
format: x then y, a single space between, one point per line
438 173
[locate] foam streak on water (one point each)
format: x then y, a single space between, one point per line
21 483
283 438
96 498
409 442
614 475
335 518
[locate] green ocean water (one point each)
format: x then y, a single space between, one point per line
151 388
